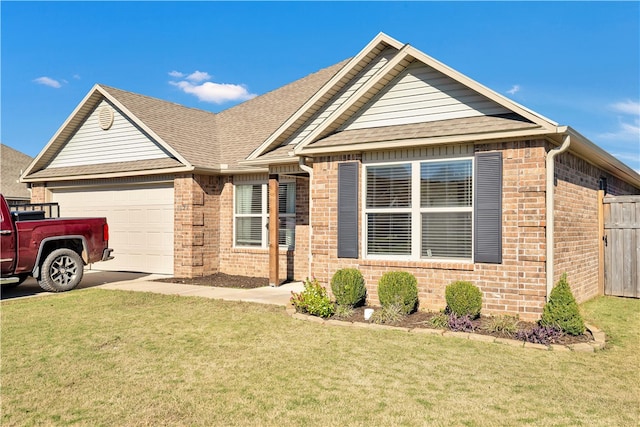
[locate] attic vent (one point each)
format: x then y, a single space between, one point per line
105 117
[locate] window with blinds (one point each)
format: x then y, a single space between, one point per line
251 215
420 209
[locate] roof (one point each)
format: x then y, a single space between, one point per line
197 139
12 164
329 111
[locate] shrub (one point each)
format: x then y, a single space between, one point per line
398 287
313 299
348 287
460 323
439 321
503 324
540 335
344 311
388 314
562 310
463 298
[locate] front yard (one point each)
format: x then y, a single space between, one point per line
97 357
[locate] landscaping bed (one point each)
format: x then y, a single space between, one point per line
221 280
481 325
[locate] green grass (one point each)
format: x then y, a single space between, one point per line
111 358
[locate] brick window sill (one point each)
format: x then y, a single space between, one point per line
423 264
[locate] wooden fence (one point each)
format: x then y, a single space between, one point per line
622 246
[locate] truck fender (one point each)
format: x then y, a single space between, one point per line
43 243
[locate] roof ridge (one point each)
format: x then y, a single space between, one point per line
296 81
111 88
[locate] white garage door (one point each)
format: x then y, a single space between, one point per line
140 221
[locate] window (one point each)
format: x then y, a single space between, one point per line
420 209
251 215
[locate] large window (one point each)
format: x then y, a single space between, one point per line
420 209
251 215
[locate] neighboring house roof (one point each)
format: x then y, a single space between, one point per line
12 164
389 95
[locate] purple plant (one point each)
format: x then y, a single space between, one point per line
460 323
540 335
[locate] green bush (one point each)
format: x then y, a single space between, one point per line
463 298
507 325
313 299
348 287
388 314
439 321
562 310
398 287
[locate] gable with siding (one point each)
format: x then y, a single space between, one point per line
422 94
122 141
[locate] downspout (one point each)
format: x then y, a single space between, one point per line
309 170
550 164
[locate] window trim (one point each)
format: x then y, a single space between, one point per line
264 214
416 211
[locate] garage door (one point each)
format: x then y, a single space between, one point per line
140 223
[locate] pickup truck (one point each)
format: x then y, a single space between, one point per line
54 251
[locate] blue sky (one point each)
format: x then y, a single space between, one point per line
575 63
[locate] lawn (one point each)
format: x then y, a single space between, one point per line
96 357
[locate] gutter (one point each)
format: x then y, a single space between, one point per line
309 170
550 218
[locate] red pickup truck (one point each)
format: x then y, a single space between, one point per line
54 251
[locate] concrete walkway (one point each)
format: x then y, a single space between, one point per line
145 283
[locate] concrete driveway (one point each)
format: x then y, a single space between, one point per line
141 282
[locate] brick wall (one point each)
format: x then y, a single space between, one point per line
254 262
38 193
196 221
516 286
576 222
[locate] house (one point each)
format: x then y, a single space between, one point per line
389 160
12 165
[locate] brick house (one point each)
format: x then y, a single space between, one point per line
389 160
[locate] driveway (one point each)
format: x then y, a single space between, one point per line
91 278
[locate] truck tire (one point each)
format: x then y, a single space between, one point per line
61 271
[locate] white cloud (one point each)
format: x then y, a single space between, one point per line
514 89
48 81
76 76
197 84
627 107
198 76
218 93
628 127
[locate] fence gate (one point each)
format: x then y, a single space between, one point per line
622 246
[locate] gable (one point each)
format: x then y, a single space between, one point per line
421 94
364 75
97 141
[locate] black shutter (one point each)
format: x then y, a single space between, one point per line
487 208
348 210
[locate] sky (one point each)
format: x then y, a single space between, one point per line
576 63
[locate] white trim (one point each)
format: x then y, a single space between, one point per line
342 73
415 210
264 214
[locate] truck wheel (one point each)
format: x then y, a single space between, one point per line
61 271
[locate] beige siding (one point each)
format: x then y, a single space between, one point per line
122 142
422 94
361 78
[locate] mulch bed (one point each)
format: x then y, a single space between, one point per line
420 319
221 280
